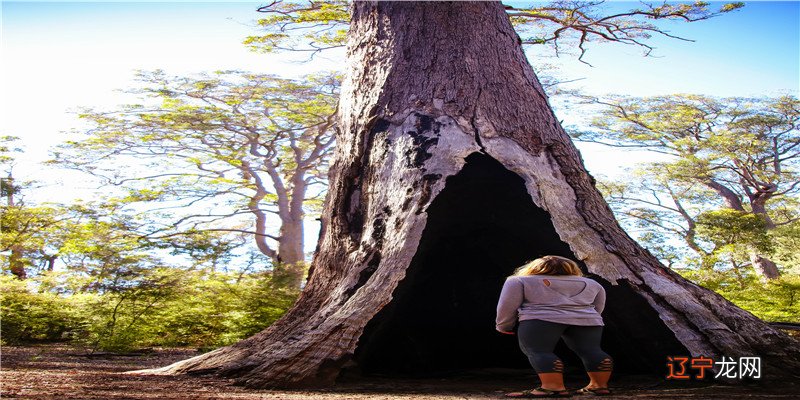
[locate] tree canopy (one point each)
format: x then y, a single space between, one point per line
729 165
217 148
322 25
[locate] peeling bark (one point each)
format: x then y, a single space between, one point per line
427 85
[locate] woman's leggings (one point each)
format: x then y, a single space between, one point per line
538 339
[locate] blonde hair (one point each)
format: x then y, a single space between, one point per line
549 265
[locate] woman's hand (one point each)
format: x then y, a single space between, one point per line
506 333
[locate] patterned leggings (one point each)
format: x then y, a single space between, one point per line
538 339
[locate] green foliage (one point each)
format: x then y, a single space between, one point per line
27 315
728 229
728 178
221 308
96 242
657 209
111 288
302 26
165 307
786 242
30 231
710 138
775 301
116 318
661 247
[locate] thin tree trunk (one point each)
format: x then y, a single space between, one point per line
16 265
288 261
291 265
428 85
51 262
290 245
291 256
738 272
765 268
760 208
728 196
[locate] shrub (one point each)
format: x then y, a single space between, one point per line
775 301
29 316
163 307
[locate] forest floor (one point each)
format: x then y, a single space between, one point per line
62 372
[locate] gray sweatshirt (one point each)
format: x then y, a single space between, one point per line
572 300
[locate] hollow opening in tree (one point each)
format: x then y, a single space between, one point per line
480 228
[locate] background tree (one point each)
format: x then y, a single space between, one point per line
216 148
25 233
737 153
21 225
91 278
658 209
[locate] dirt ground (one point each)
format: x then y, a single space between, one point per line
61 372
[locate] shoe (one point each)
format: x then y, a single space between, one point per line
595 391
529 394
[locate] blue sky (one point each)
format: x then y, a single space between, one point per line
753 51
57 56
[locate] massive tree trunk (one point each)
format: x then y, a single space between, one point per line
450 171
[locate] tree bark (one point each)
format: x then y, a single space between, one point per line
730 197
291 262
427 85
288 261
16 264
765 268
